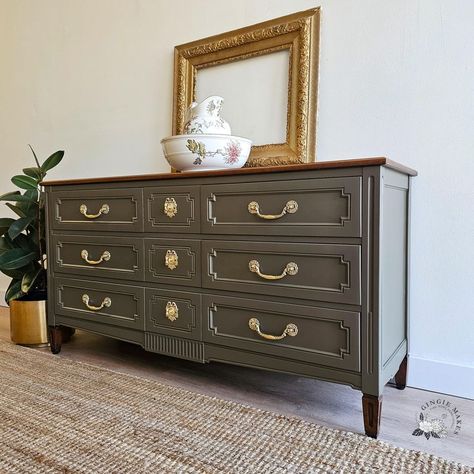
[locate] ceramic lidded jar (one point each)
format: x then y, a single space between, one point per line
205 118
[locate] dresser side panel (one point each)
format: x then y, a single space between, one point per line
393 258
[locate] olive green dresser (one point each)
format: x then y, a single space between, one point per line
300 269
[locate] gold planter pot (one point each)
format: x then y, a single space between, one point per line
28 323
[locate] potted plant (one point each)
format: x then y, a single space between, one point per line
23 253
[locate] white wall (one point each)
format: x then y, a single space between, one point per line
95 77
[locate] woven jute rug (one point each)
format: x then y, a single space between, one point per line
60 416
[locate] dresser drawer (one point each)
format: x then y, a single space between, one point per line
117 257
316 335
173 261
174 313
310 207
324 272
172 209
105 303
97 209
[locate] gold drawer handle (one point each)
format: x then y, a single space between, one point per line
172 312
290 330
107 303
290 208
170 207
290 269
171 259
105 257
105 209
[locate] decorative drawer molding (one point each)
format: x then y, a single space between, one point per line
311 334
97 209
185 268
99 256
173 313
107 303
323 272
172 209
174 346
318 207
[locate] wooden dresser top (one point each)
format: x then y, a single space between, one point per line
242 171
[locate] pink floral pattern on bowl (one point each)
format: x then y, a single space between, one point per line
230 153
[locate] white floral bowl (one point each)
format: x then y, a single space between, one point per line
203 152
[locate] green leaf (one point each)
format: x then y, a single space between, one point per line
9 241
18 273
24 182
34 154
19 226
31 212
18 197
5 223
35 173
11 196
16 258
33 235
30 206
29 279
14 274
28 197
31 195
15 209
52 161
14 291
5 244
27 242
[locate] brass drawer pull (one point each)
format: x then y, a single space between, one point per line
105 257
105 209
172 311
290 208
107 303
170 207
171 259
290 269
290 330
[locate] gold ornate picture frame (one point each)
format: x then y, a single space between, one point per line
299 34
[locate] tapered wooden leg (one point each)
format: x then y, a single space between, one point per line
401 375
55 339
372 408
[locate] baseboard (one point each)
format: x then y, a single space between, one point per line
2 297
442 377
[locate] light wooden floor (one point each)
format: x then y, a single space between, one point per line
324 403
